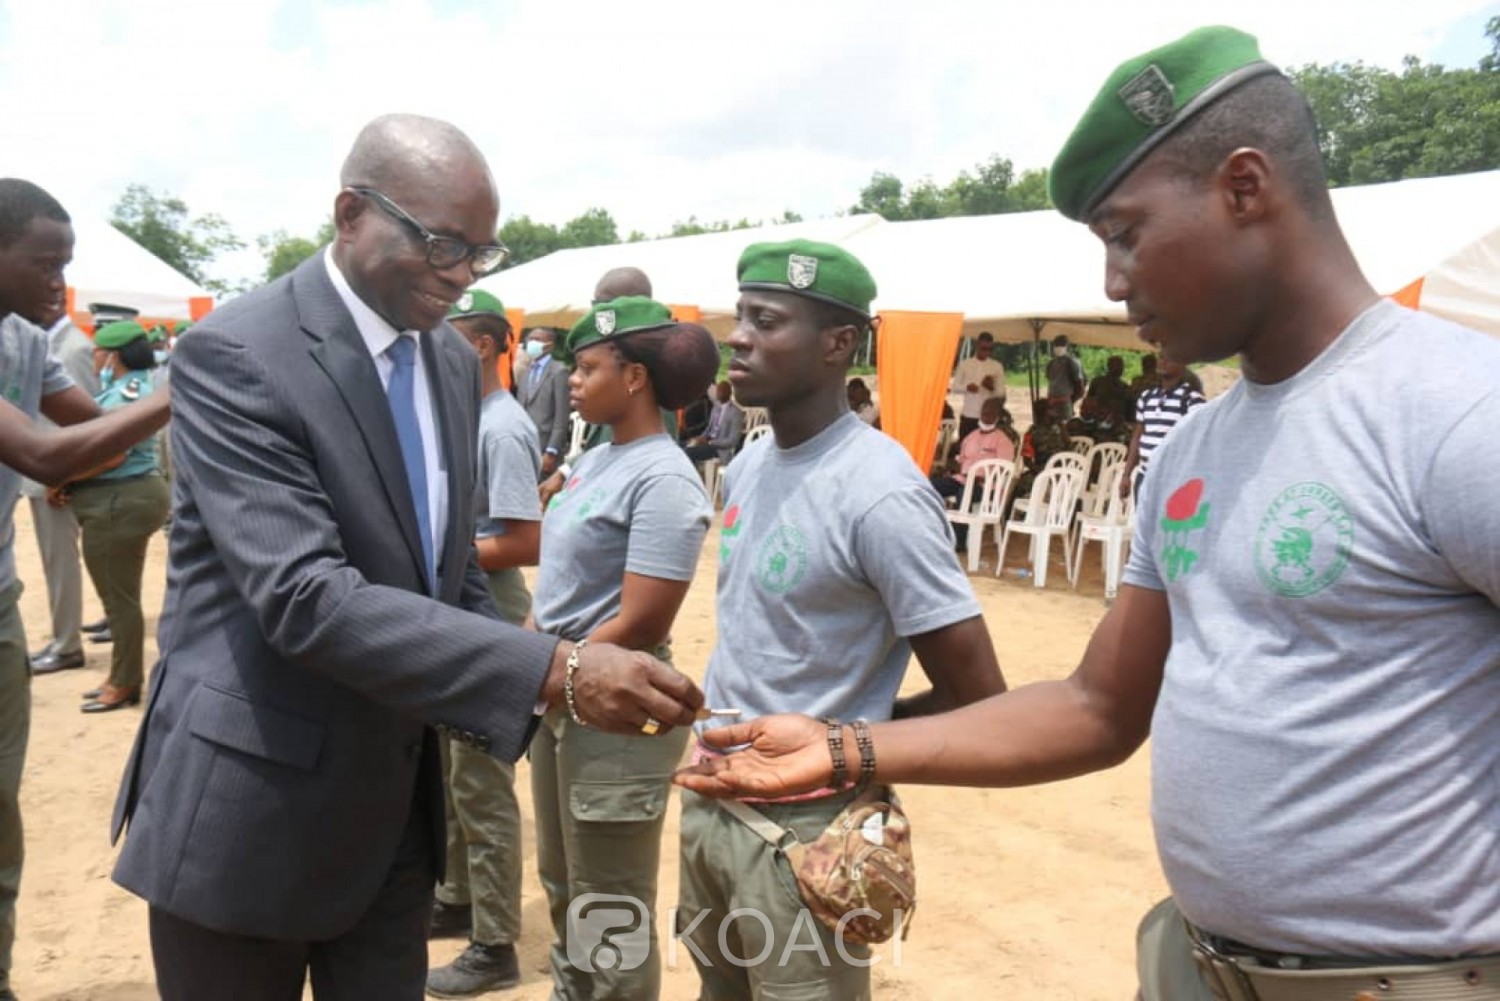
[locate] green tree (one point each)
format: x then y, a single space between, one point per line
161 224
528 240
1029 193
284 252
884 196
595 228
989 189
1377 125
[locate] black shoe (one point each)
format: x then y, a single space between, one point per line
92 627
109 699
103 635
47 664
451 920
478 969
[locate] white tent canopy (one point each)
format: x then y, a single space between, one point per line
1015 274
110 267
687 270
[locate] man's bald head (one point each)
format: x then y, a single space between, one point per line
395 151
619 282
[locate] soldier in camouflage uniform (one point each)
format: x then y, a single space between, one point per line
1046 438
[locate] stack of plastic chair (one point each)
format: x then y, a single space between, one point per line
991 479
1054 495
1110 527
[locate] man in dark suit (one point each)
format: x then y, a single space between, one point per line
544 394
325 613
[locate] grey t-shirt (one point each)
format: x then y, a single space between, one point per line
831 554
1326 745
510 462
27 373
638 508
75 353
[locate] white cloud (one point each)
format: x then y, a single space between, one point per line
657 110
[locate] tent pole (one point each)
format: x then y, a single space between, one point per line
1034 376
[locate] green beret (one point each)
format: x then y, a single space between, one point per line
477 302
815 270
157 334
609 321
116 335
1143 102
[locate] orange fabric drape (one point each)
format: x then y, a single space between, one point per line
686 314
505 365
1411 295
200 306
914 360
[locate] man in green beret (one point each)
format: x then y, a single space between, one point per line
481 897
835 565
1309 627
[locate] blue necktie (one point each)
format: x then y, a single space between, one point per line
401 394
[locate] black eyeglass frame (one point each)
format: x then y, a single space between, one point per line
443 252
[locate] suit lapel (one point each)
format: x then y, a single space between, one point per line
445 382
339 350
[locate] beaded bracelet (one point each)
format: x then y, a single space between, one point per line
866 754
568 682
836 752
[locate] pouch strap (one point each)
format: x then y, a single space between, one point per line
778 837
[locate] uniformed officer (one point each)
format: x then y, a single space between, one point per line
118 509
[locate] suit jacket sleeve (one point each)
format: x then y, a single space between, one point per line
562 425
274 529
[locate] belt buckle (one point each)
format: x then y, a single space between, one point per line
1221 970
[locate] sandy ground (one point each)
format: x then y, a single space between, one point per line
1025 894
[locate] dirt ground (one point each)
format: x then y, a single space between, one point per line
1024 894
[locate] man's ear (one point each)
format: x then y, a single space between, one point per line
839 344
1245 180
348 206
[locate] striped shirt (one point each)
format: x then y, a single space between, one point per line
1158 411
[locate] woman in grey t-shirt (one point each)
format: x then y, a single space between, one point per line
620 544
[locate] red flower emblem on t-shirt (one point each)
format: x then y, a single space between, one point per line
1183 504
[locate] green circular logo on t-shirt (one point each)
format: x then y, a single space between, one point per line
782 560
1304 540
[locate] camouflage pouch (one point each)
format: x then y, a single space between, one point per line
858 876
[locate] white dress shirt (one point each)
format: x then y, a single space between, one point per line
379 335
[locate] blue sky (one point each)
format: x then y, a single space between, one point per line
656 110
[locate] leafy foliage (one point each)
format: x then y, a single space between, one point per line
283 252
161 224
991 189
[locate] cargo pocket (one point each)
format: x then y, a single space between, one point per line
622 802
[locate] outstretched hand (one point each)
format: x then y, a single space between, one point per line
787 754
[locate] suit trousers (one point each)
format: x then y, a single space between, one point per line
118 518
601 803
15 725
57 540
382 958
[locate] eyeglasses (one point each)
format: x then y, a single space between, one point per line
443 252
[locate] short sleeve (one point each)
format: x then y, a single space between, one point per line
55 378
1460 499
1141 569
905 550
667 526
513 466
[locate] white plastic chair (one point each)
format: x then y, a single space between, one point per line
1080 443
1062 460
579 427
1098 462
1110 528
716 471
947 432
993 478
1054 493
754 418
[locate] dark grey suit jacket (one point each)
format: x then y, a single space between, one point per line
303 664
548 407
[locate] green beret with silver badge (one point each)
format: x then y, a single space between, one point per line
819 271
1144 102
113 336
477 302
608 321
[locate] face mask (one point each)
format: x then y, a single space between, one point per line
535 349
106 377
1059 352
987 427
